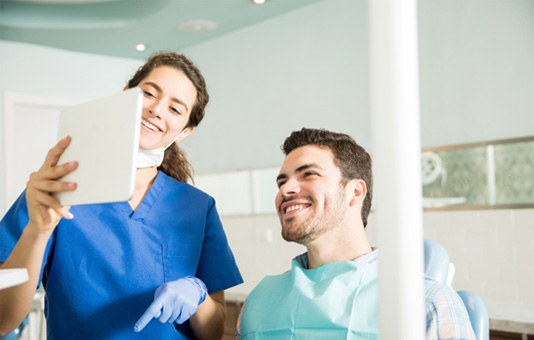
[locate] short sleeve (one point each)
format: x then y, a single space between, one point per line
12 225
217 266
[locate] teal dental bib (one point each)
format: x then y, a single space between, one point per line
338 300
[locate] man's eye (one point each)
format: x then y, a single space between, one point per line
280 183
308 174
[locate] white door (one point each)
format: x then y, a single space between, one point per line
30 129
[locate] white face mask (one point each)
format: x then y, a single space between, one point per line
149 158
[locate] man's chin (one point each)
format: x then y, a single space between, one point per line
290 236
298 240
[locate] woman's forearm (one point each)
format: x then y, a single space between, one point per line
208 321
15 302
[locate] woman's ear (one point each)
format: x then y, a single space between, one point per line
185 132
358 191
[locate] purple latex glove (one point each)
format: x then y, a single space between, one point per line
174 301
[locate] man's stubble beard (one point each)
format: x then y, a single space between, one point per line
314 226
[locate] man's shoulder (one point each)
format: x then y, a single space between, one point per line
438 290
272 282
446 314
273 288
439 296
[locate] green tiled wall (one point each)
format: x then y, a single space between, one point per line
467 175
515 173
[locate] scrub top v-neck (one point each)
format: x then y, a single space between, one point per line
147 202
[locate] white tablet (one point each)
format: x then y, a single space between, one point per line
105 140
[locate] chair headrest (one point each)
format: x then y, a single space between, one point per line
436 261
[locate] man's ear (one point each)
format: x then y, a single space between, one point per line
185 132
358 191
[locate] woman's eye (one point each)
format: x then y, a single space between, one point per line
175 110
148 94
308 174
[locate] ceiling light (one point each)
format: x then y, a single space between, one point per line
259 2
140 47
198 25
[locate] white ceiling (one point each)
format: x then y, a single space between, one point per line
114 27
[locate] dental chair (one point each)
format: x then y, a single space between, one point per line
438 267
437 264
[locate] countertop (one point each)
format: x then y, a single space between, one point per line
517 318
12 277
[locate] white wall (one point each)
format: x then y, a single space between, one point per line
477 74
54 72
493 252
306 68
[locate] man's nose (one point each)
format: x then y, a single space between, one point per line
290 187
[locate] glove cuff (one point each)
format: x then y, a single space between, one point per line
201 286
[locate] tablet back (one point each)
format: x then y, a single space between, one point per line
105 140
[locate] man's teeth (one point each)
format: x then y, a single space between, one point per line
150 126
294 207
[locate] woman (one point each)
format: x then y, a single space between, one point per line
109 269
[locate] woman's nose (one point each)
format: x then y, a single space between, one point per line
155 108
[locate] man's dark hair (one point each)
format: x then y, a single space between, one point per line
352 159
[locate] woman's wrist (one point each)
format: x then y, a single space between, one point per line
37 233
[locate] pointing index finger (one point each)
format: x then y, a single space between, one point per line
152 312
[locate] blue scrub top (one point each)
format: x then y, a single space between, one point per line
101 269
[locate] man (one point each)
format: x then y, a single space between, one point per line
331 292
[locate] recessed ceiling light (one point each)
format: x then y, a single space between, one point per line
259 2
140 47
198 25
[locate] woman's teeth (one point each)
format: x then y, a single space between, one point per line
149 125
